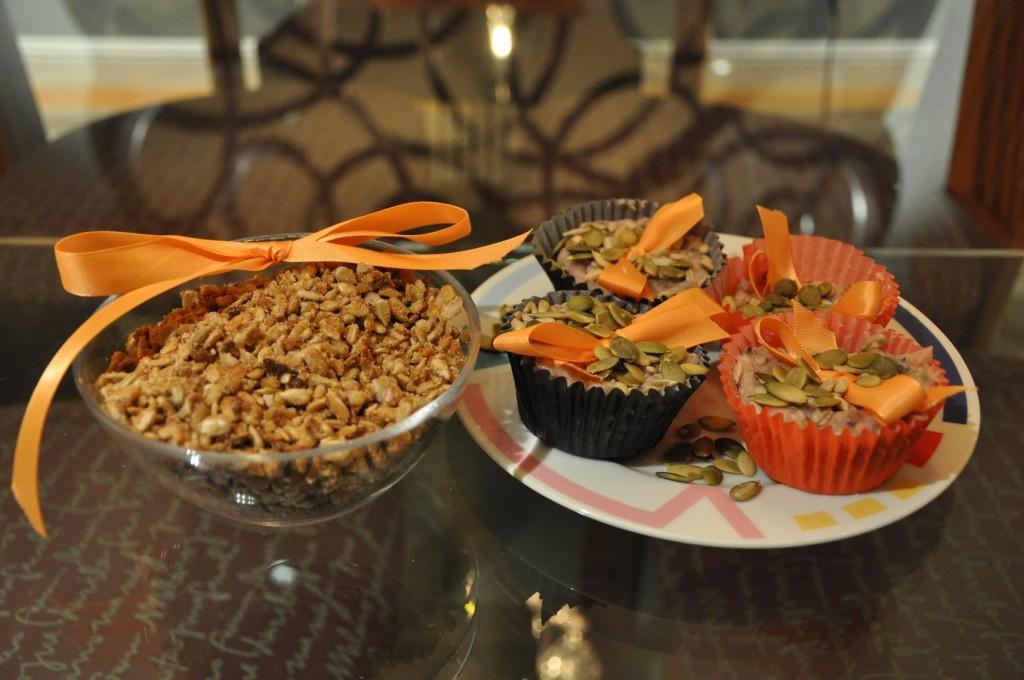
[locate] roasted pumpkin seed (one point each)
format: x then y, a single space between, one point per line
785 287
763 377
779 373
861 360
594 238
580 303
767 400
728 446
749 310
674 478
602 365
746 464
687 431
642 358
652 347
825 288
745 491
797 377
600 330
727 465
830 358
869 380
613 254
694 471
694 369
787 393
809 296
704 447
884 367
638 373
602 352
580 317
672 371
619 315
712 476
716 423
625 237
680 452
623 348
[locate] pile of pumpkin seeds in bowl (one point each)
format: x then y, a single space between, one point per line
821 295
697 458
646 365
768 383
585 251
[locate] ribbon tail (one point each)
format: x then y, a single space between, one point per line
935 395
863 299
776 243
25 475
672 222
624 279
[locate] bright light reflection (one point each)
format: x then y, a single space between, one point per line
501 41
721 67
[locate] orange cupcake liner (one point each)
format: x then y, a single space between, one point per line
817 459
816 258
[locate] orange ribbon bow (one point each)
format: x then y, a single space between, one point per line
669 224
863 299
684 320
888 402
138 267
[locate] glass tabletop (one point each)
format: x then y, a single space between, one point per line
460 570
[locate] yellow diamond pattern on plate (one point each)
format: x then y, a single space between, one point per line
815 520
863 508
903 487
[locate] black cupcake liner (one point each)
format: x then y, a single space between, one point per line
589 421
547 235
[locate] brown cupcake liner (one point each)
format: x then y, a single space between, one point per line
547 236
587 420
817 459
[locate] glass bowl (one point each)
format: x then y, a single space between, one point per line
268 488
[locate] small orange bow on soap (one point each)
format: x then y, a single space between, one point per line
669 224
684 320
890 401
862 299
138 267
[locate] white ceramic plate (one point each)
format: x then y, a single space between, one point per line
631 497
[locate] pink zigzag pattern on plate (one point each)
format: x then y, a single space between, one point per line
657 518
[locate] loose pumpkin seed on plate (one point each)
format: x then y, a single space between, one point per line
746 464
809 296
884 367
686 470
716 423
712 476
688 431
727 465
745 491
728 447
680 452
675 478
704 447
